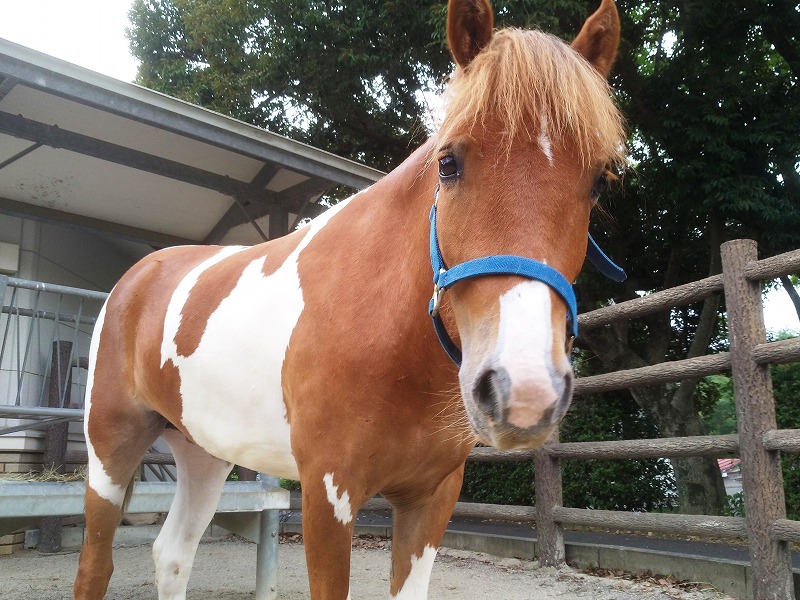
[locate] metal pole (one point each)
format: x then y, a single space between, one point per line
267 552
762 478
269 523
55 445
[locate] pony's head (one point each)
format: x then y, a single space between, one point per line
523 153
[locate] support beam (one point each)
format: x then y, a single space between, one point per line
6 85
264 176
18 155
278 221
292 199
51 135
41 214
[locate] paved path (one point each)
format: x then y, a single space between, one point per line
723 551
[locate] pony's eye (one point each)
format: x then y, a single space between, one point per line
600 186
448 167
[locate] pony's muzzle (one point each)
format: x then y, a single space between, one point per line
521 413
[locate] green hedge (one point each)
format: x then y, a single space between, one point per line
643 485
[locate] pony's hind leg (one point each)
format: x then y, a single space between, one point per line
419 524
200 480
116 440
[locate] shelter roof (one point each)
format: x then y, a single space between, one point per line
92 152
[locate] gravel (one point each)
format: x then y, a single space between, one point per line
225 570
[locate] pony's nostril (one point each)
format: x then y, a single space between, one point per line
490 392
566 395
484 393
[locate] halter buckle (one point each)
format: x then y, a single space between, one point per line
438 294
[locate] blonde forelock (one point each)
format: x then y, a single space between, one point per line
532 83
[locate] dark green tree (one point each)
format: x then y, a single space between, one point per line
710 91
348 76
786 386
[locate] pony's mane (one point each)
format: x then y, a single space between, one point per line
534 83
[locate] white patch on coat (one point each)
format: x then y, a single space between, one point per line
99 479
231 389
341 504
525 350
416 584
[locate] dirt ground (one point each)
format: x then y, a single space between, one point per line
225 570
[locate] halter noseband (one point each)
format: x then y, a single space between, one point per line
444 278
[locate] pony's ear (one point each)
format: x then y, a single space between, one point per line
599 37
469 28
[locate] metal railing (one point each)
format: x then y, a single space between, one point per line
38 319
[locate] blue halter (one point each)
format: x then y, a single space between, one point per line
444 278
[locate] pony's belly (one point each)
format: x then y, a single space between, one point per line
231 392
248 431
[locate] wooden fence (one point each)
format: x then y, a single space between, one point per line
758 442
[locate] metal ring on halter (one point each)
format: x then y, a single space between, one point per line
436 299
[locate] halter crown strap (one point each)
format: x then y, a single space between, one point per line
444 278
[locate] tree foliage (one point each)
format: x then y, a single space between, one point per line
348 76
786 386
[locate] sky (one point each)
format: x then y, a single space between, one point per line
91 33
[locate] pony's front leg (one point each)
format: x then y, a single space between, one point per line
329 511
419 525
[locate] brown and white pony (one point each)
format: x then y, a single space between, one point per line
312 357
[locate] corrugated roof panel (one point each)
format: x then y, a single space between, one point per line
102 125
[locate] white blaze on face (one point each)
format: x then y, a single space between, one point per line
341 503
525 350
99 480
416 585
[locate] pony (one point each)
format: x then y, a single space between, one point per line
313 357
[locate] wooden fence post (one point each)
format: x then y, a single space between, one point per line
547 474
762 478
56 436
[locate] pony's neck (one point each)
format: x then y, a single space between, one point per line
395 221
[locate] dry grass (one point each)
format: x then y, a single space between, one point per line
47 475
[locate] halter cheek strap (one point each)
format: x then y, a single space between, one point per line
604 264
444 278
